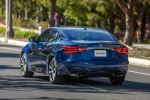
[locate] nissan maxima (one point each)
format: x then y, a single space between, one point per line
77 52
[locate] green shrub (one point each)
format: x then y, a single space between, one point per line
25 23
24 34
2 19
27 34
2 31
44 24
17 33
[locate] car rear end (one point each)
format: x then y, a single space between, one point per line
92 60
95 57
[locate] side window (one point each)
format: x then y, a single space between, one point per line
53 35
60 36
44 37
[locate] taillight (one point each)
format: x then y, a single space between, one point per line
81 49
121 50
73 49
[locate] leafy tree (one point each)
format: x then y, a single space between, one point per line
145 5
73 10
108 10
127 8
51 12
101 13
2 7
23 8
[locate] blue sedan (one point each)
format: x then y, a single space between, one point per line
77 52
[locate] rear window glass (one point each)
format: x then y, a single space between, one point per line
89 35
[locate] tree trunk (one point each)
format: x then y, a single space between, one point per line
26 13
143 23
16 14
51 12
65 21
22 15
129 30
77 23
128 10
138 32
3 7
112 22
98 24
135 26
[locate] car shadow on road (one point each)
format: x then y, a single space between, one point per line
42 98
9 67
18 83
127 86
9 55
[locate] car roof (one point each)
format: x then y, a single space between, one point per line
79 29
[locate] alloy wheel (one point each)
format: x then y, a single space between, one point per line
23 64
52 70
24 67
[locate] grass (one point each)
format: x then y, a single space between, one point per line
18 33
24 34
2 31
142 53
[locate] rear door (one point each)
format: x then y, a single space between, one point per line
40 64
46 48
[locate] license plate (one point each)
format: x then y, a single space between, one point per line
100 53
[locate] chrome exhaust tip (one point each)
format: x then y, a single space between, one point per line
79 74
119 74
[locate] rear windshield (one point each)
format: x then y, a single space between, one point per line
89 35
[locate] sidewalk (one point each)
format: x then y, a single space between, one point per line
147 46
132 61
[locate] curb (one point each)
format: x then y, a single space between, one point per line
132 61
13 42
141 62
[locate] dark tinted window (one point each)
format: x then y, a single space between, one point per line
44 37
53 35
49 35
60 36
89 35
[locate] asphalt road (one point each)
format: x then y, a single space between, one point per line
15 87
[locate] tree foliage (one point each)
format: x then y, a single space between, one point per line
93 13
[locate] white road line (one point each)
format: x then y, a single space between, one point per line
138 72
10 49
96 88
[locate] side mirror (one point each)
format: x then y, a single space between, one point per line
32 39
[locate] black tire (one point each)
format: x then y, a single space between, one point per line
54 78
117 80
24 66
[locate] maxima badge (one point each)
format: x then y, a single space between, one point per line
100 45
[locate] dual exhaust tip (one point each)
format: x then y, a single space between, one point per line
79 74
118 74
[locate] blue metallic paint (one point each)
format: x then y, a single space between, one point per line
39 54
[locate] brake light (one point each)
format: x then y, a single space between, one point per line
73 49
121 50
81 49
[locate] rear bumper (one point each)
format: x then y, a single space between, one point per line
89 70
